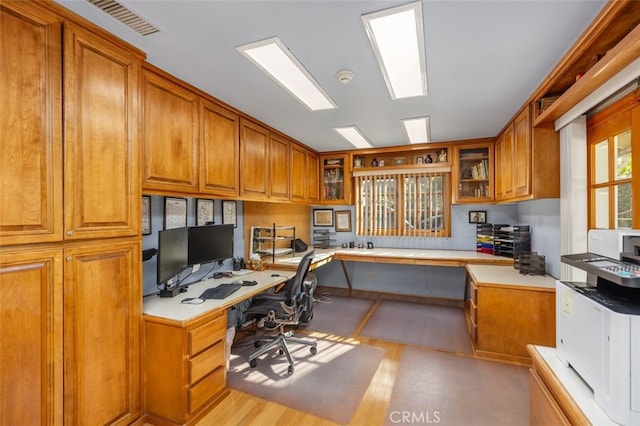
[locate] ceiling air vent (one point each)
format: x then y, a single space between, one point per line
124 15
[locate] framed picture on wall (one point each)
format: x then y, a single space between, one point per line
175 212
204 212
323 217
229 214
477 216
343 221
146 215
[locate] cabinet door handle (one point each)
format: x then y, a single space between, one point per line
69 258
69 232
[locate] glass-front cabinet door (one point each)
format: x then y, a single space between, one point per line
336 179
473 173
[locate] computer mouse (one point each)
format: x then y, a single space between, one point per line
276 275
192 301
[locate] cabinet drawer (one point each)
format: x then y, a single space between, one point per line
207 334
473 292
204 363
206 389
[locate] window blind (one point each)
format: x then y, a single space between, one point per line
402 203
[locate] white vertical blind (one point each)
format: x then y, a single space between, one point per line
410 203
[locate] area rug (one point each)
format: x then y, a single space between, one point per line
329 384
445 389
339 316
433 326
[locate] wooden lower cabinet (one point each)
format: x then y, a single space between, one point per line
502 319
543 408
102 333
70 322
185 367
31 337
549 402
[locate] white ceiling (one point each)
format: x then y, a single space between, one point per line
484 59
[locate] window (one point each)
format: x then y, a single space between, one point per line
611 183
403 204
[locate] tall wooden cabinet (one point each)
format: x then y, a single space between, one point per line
30 125
101 159
31 350
102 332
73 322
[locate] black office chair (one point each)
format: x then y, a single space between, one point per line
290 306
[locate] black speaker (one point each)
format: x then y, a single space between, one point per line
298 246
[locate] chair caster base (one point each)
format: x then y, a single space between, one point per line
253 363
313 350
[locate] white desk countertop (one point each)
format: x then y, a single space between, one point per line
171 308
575 386
508 275
419 253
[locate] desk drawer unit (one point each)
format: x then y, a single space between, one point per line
185 365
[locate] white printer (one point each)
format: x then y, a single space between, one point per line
598 322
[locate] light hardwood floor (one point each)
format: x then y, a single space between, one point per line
243 409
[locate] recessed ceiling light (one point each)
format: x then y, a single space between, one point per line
354 136
417 129
275 59
397 38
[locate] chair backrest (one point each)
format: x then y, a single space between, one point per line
294 285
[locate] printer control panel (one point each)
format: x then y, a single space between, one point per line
623 273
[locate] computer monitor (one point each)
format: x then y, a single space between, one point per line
172 253
210 243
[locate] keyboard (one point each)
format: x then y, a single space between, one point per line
220 292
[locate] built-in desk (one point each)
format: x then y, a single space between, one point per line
506 311
395 256
185 349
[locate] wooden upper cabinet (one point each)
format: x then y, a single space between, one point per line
254 160
504 165
30 125
279 170
219 151
298 160
170 135
473 172
312 177
31 338
522 154
101 171
527 160
102 333
304 175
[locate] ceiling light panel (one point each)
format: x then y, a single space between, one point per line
354 136
417 129
397 38
277 61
